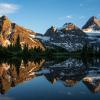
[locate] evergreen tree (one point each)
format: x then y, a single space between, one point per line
17 44
25 51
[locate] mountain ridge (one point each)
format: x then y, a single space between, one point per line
9 32
69 37
93 24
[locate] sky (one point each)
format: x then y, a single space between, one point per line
39 15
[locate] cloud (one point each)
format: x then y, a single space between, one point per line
66 17
69 17
8 8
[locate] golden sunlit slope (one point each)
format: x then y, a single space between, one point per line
10 31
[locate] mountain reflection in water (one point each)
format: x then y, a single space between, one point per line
11 75
68 72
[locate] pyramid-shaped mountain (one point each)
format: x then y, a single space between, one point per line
93 24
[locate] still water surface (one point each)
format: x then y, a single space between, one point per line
49 80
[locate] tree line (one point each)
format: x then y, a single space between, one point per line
15 50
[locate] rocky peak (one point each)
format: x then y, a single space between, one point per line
93 18
69 37
93 23
9 32
51 31
69 26
2 18
5 28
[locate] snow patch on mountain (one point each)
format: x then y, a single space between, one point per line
69 37
92 25
43 38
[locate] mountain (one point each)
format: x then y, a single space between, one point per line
69 72
9 32
69 37
11 76
93 24
92 83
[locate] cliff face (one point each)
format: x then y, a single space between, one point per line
93 24
10 31
69 37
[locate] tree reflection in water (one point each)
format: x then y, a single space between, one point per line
69 72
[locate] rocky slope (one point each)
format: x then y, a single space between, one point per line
69 37
93 24
10 31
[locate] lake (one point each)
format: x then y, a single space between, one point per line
50 80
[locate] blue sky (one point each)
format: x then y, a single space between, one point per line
39 15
